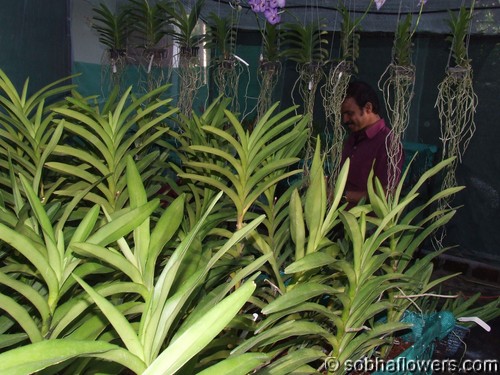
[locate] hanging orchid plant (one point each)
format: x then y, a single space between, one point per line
334 90
456 104
269 69
271 9
397 85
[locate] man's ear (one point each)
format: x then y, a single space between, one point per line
369 107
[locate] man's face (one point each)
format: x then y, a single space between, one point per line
353 115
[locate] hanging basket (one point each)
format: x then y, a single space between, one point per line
270 66
403 71
156 53
189 52
115 54
228 64
458 72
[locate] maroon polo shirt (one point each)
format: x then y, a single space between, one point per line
363 148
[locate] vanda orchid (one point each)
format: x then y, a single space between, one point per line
270 8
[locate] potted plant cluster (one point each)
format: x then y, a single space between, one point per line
236 271
141 33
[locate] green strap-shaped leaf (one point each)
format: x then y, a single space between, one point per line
116 318
21 316
266 184
297 226
123 224
163 231
216 184
235 163
117 260
292 361
96 124
82 174
353 229
267 171
26 247
38 210
86 225
56 135
280 332
138 197
200 333
218 294
32 358
237 365
266 123
84 156
72 311
157 304
310 262
27 291
240 148
338 192
11 339
174 304
315 202
222 170
299 294
274 130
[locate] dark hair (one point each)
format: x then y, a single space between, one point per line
363 93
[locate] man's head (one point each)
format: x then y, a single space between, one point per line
360 107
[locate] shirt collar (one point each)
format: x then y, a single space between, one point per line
372 130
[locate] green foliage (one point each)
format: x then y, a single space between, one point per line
221 36
403 47
124 126
334 299
243 164
185 23
27 136
63 309
113 28
241 270
459 25
271 43
349 44
305 44
472 307
149 22
41 268
461 306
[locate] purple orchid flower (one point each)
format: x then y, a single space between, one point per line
258 6
379 3
276 4
272 16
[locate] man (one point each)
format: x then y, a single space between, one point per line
366 145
